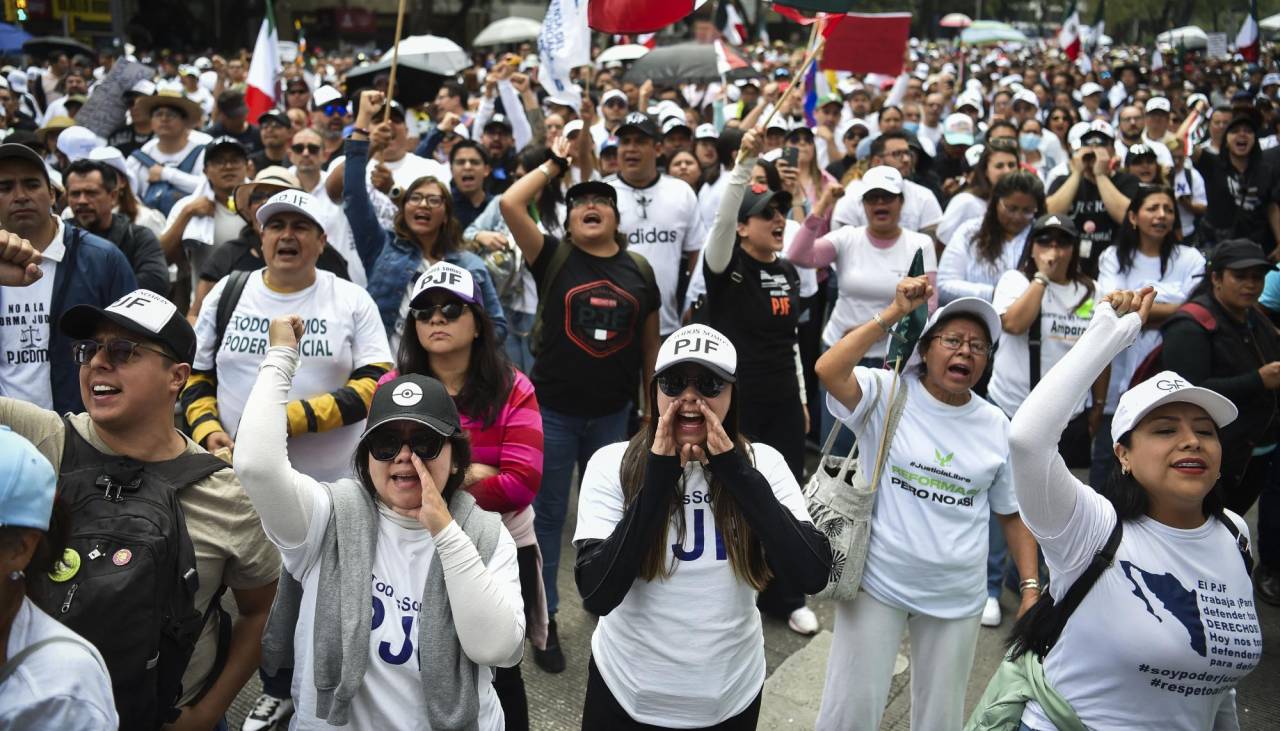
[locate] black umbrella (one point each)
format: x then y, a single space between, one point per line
44 46
414 83
685 63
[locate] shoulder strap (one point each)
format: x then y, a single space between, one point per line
1242 541
227 305
892 418
1033 348
189 162
10 667
646 270
71 237
187 469
554 265
1201 314
143 158
1101 560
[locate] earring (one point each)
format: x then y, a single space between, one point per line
16 575
1124 469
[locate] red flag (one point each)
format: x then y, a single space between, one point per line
638 16
867 43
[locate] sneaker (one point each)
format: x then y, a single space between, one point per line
552 658
803 621
269 713
991 613
1268 585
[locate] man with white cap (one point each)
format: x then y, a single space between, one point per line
1091 102
613 109
920 208
1157 112
344 351
330 112
136 131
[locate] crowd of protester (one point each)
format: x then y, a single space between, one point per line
360 336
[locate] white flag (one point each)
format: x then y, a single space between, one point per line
563 44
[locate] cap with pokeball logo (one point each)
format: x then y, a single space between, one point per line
1163 388
416 398
701 345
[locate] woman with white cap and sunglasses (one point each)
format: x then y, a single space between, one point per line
946 469
443 575
1167 629
677 531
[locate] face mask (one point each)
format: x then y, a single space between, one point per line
1029 141
911 127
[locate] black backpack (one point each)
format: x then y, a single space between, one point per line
129 587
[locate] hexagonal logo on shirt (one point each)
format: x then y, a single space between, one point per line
600 317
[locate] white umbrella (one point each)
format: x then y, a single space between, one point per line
508 30
625 52
1271 24
1188 36
435 54
955 20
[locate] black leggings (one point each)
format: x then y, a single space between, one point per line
601 711
508 683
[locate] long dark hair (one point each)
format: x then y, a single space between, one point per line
1039 629
460 453
1027 265
990 237
489 374
746 555
1130 239
979 184
449 237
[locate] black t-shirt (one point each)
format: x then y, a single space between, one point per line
757 306
592 332
1091 218
250 137
127 139
244 254
1238 201
260 161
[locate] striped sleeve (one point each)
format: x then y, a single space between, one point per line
344 406
518 433
200 404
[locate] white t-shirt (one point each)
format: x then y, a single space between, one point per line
1163 637
338 232
1182 274
920 208
1063 319
344 332
25 331
962 208
687 651
947 469
60 685
962 272
411 167
1189 182
868 276
401 563
661 223
709 197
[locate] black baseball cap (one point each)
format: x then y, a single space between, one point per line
141 311
1249 117
415 398
592 187
225 142
642 123
1238 254
758 197
1054 222
275 115
498 120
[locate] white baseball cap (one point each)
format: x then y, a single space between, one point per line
969 99
448 277
1158 104
1167 387
113 157
706 132
291 201
324 95
882 177
1027 96
702 345
1271 80
78 142
613 94
968 305
957 129
573 126
1089 88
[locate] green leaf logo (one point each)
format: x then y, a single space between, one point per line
941 459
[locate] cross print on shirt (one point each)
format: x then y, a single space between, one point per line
643 202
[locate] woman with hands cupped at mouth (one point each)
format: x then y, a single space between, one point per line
442 573
677 531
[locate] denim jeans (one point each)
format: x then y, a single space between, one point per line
567 442
519 325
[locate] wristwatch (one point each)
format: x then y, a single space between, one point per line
1041 278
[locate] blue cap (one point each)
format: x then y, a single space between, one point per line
27 483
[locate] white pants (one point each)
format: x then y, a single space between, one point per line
867 635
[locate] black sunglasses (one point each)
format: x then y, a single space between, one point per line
674 384
385 444
301 148
119 351
450 310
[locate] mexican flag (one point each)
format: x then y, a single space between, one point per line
1247 44
264 69
1069 35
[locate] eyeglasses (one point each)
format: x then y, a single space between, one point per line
303 147
335 109
771 212
617 103
674 384
119 351
878 197
225 162
385 444
422 199
897 154
1016 211
589 199
450 310
954 342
